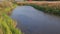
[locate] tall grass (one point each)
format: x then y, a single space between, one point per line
7 25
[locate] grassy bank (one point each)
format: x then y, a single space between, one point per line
7 25
52 8
7 7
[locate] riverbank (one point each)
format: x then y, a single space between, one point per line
52 7
7 7
7 25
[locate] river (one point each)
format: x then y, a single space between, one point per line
32 21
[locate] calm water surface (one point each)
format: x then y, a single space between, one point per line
32 21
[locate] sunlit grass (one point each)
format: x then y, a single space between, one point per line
8 25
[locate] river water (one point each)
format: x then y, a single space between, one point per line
32 21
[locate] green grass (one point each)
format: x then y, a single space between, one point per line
8 25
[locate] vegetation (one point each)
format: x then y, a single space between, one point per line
52 9
6 7
7 25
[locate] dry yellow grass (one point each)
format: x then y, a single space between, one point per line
50 3
1 32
